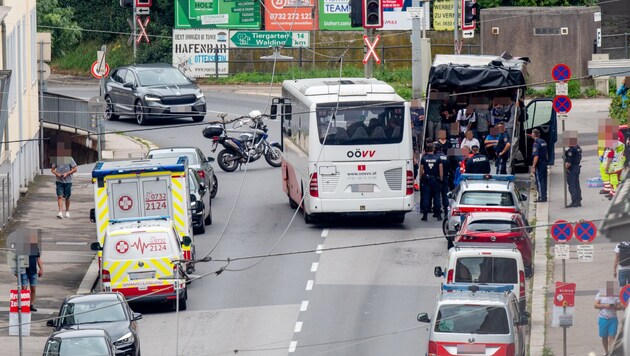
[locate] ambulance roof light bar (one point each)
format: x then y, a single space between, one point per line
143 218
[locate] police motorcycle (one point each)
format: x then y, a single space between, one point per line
250 145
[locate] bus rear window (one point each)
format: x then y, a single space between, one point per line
360 124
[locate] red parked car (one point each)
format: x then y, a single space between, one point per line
498 227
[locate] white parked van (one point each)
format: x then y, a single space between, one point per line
488 264
138 260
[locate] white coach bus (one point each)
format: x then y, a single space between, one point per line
347 147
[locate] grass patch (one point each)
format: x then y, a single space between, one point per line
79 60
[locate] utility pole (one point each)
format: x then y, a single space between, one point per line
367 68
417 28
134 20
456 40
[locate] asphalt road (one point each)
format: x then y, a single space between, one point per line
359 301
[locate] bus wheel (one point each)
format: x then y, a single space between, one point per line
293 204
308 218
397 218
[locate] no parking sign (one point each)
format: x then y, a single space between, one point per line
585 231
561 231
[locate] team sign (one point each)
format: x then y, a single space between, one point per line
200 52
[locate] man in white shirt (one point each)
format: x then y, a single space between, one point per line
469 141
465 119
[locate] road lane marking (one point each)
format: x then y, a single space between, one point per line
304 305
71 243
325 232
292 346
309 284
319 249
298 327
314 266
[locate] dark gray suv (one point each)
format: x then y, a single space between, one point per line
150 91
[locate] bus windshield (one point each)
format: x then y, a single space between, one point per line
360 123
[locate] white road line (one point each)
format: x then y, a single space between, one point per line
71 243
292 346
325 232
319 248
309 284
298 327
304 305
314 266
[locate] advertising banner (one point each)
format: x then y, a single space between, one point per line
334 15
217 14
289 15
200 53
443 12
266 39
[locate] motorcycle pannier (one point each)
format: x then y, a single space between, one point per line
212 131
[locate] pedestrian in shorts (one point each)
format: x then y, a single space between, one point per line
63 167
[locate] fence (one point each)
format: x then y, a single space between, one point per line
620 47
392 56
66 111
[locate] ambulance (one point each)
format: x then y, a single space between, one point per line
140 260
143 188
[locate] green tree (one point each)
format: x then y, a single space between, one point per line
65 32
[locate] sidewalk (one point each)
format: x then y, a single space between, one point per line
66 254
582 337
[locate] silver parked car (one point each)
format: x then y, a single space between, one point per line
196 160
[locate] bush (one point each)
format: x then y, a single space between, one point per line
615 110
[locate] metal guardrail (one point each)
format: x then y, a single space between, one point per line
622 50
67 111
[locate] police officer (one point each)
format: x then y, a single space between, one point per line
572 160
502 149
478 163
539 165
431 174
444 185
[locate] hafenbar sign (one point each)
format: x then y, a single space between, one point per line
217 14
200 53
264 39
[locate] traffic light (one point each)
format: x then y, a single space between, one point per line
470 14
372 14
356 16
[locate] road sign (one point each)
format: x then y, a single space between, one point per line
468 33
562 252
562 88
266 39
561 231
562 116
143 29
142 11
561 72
43 71
585 253
370 52
564 295
562 103
99 74
585 231
624 295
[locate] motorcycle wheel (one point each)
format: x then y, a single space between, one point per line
273 156
227 161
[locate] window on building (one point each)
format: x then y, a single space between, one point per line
547 31
33 29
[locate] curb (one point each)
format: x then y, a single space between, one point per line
91 277
539 279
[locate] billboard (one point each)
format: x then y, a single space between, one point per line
194 52
217 14
443 13
289 15
333 15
